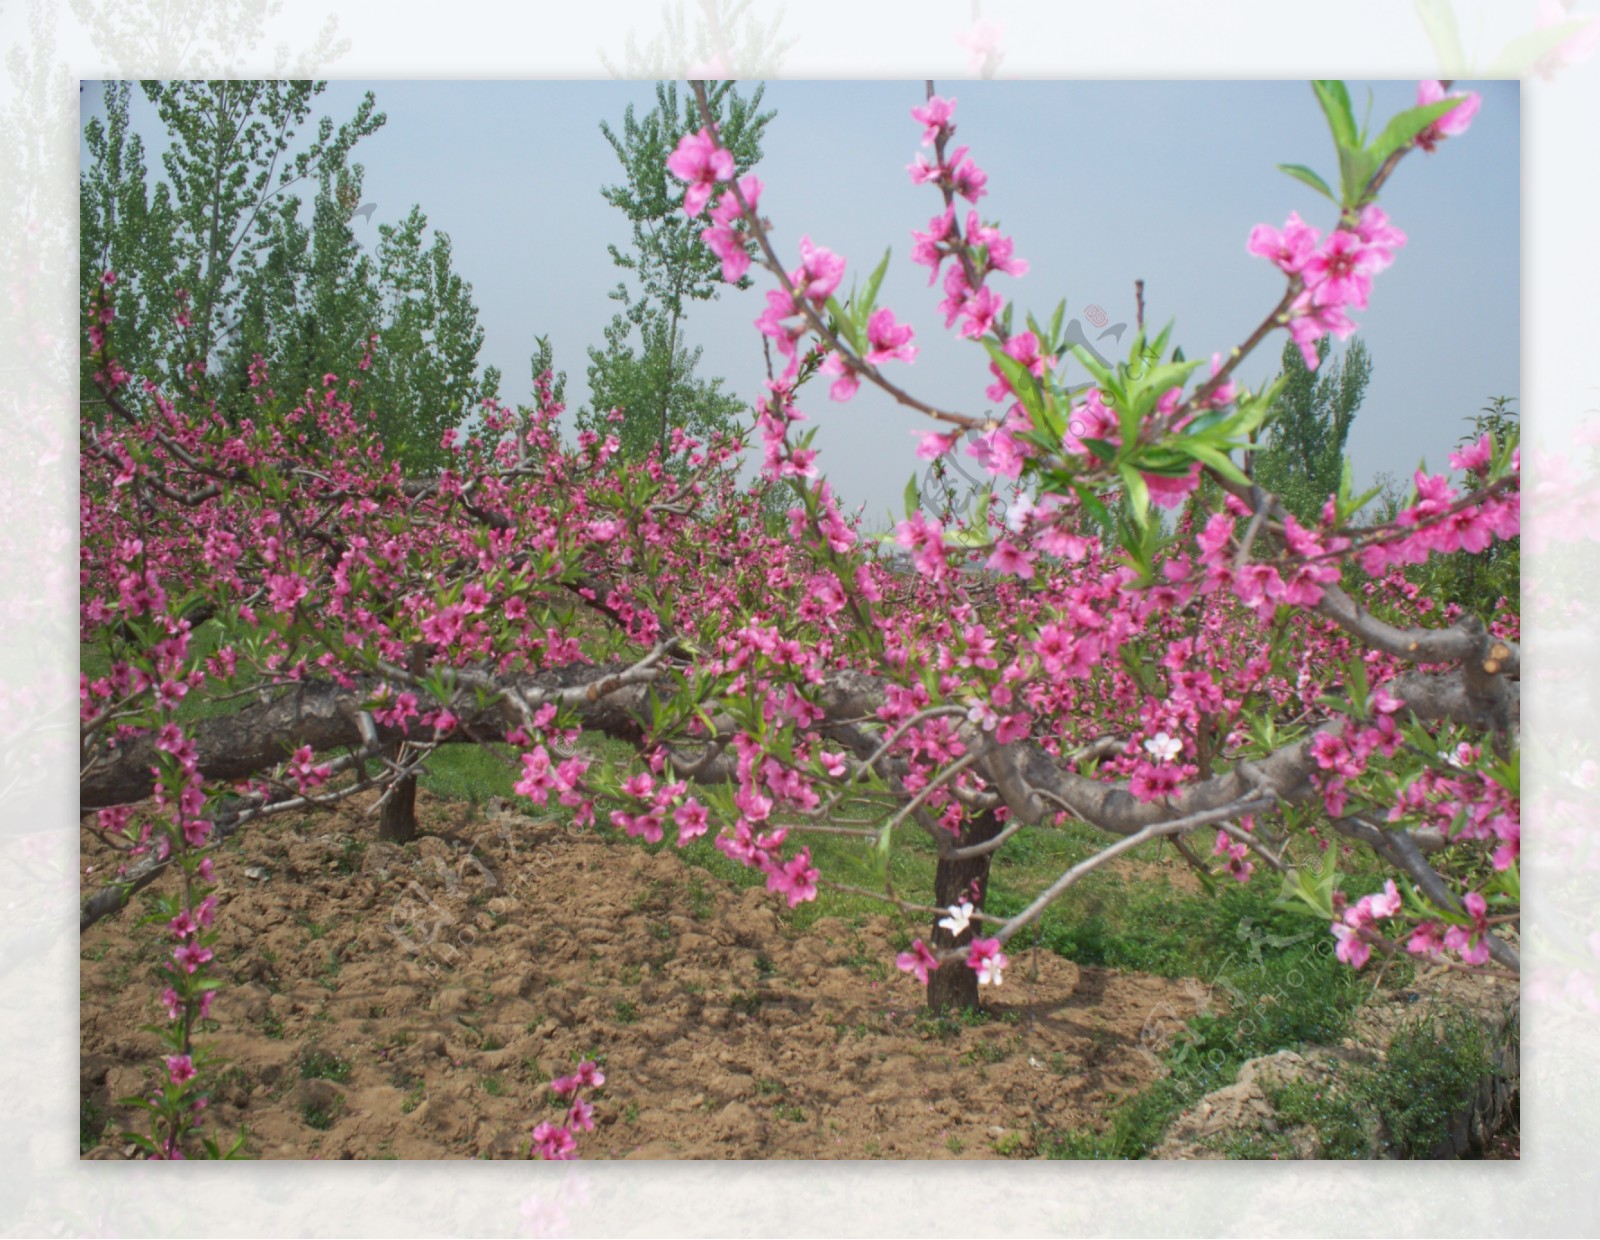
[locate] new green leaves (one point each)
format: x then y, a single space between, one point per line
1359 162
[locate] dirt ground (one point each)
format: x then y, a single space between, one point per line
413 1002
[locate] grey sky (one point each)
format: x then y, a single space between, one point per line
1098 182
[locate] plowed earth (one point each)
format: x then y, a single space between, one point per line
414 1002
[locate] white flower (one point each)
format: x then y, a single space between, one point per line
1163 748
983 715
989 970
960 918
1017 515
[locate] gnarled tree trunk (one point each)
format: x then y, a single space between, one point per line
953 985
397 822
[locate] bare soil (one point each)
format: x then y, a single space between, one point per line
414 1002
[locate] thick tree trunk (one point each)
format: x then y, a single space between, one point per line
397 823
953 985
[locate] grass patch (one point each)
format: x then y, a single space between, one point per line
91 1125
321 1065
1273 981
321 1117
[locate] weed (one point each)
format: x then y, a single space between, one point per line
349 859
272 1024
749 1004
955 1144
984 1052
494 1086
764 967
630 1113
413 1099
91 1125
318 1064
626 1012
1330 1109
321 1117
767 1087
701 902
1431 1073
789 1111
1010 1145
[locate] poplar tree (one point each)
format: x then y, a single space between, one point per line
1304 452
646 367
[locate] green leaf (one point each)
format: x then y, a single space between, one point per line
1208 454
1335 101
1356 167
1301 173
1403 128
1520 55
1138 492
913 496
1103 377
1018 376
1439 20
844 325
869 297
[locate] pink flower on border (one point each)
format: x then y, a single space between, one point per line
1452 123
554 1143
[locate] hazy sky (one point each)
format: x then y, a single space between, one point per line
1098 182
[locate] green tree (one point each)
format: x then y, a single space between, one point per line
646 368
1303 456
194 244
225 265
425 376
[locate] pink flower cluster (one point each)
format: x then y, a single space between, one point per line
1354 948
984 957
1437 530
559 1142
1329 277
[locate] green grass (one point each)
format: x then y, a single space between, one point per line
321 1117
318 1064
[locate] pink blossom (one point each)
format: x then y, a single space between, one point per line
554 1143
888 340
986 959
983 42
797 880
1352 949
191 956
919 961
935 115
691 820
1452 123
819 272
180 1068
1290 249
700 163
588 1075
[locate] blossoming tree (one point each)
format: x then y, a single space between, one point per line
1143 640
